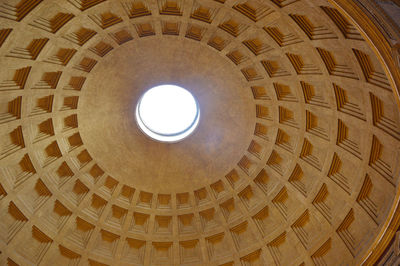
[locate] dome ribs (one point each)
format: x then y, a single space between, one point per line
75 83
383 116
242 236
134 251
284 93
145 29
31 51
82 233
299 180
253 10
203 13
4 33
195 32
101 48
60 175
233 26
17 10
17 81
136 9
348 30
217 246
121 36
52 24
349 139
274 69
189 251
18 173
49 80
82 5
317 126
12 222
186 224
11 142
372 70
336 68
313 95
282 38
347 103
86 64
319 254
260 93
61 57
366 200
140 223
381 159
312 31
162 253
35 248
10 109
173 28
106 244
42 105
320 203
301 66
106 19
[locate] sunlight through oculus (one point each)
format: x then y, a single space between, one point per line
167 113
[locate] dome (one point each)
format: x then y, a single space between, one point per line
294 154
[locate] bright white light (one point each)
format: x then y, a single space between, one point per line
167 113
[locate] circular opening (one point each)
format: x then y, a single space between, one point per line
167 113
